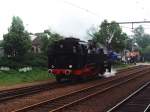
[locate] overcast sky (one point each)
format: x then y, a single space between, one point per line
72 17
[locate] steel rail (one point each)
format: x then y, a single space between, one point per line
92 95
147 108
19 92
127 98
130 68
78 91
4 96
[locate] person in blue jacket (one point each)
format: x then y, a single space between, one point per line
111 57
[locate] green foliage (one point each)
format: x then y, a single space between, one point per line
33 60
146 53
36 60
17 46
16 42
110 34
147 49
52 36
138 32
47 38
44 40
1 43
16 25
9 62
128 43
142 39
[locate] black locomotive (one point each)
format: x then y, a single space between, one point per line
73 59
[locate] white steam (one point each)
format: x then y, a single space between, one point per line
110 74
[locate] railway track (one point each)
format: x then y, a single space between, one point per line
129 68
65 101
138 101
20 92
15 93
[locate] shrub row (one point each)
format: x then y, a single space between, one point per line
34 60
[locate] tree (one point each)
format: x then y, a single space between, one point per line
17 41
1 43
53 36
46 38
43 40
141 38
129 44
143 41
146 53
110 35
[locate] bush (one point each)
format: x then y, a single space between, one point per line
34 60
7 62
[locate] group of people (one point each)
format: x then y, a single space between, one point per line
131 57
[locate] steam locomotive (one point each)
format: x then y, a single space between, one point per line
73 59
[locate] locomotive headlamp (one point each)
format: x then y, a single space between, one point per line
70 66
52 66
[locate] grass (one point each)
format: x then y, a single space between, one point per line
13 77
120 66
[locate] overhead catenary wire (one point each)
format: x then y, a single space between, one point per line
126 27
79 7
95 14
